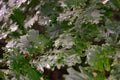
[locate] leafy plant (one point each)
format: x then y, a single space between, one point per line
60 33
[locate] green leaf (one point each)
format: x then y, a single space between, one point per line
75 3
18 63
65 40
80 46
5 0
115 71
98 57
51 9
116 3
33 3
57 28
93 15
2 75
88 32
83 75
18 17
33 74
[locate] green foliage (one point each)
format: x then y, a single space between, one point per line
76 3
98 57
83 75
53 34
18 17
2 75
